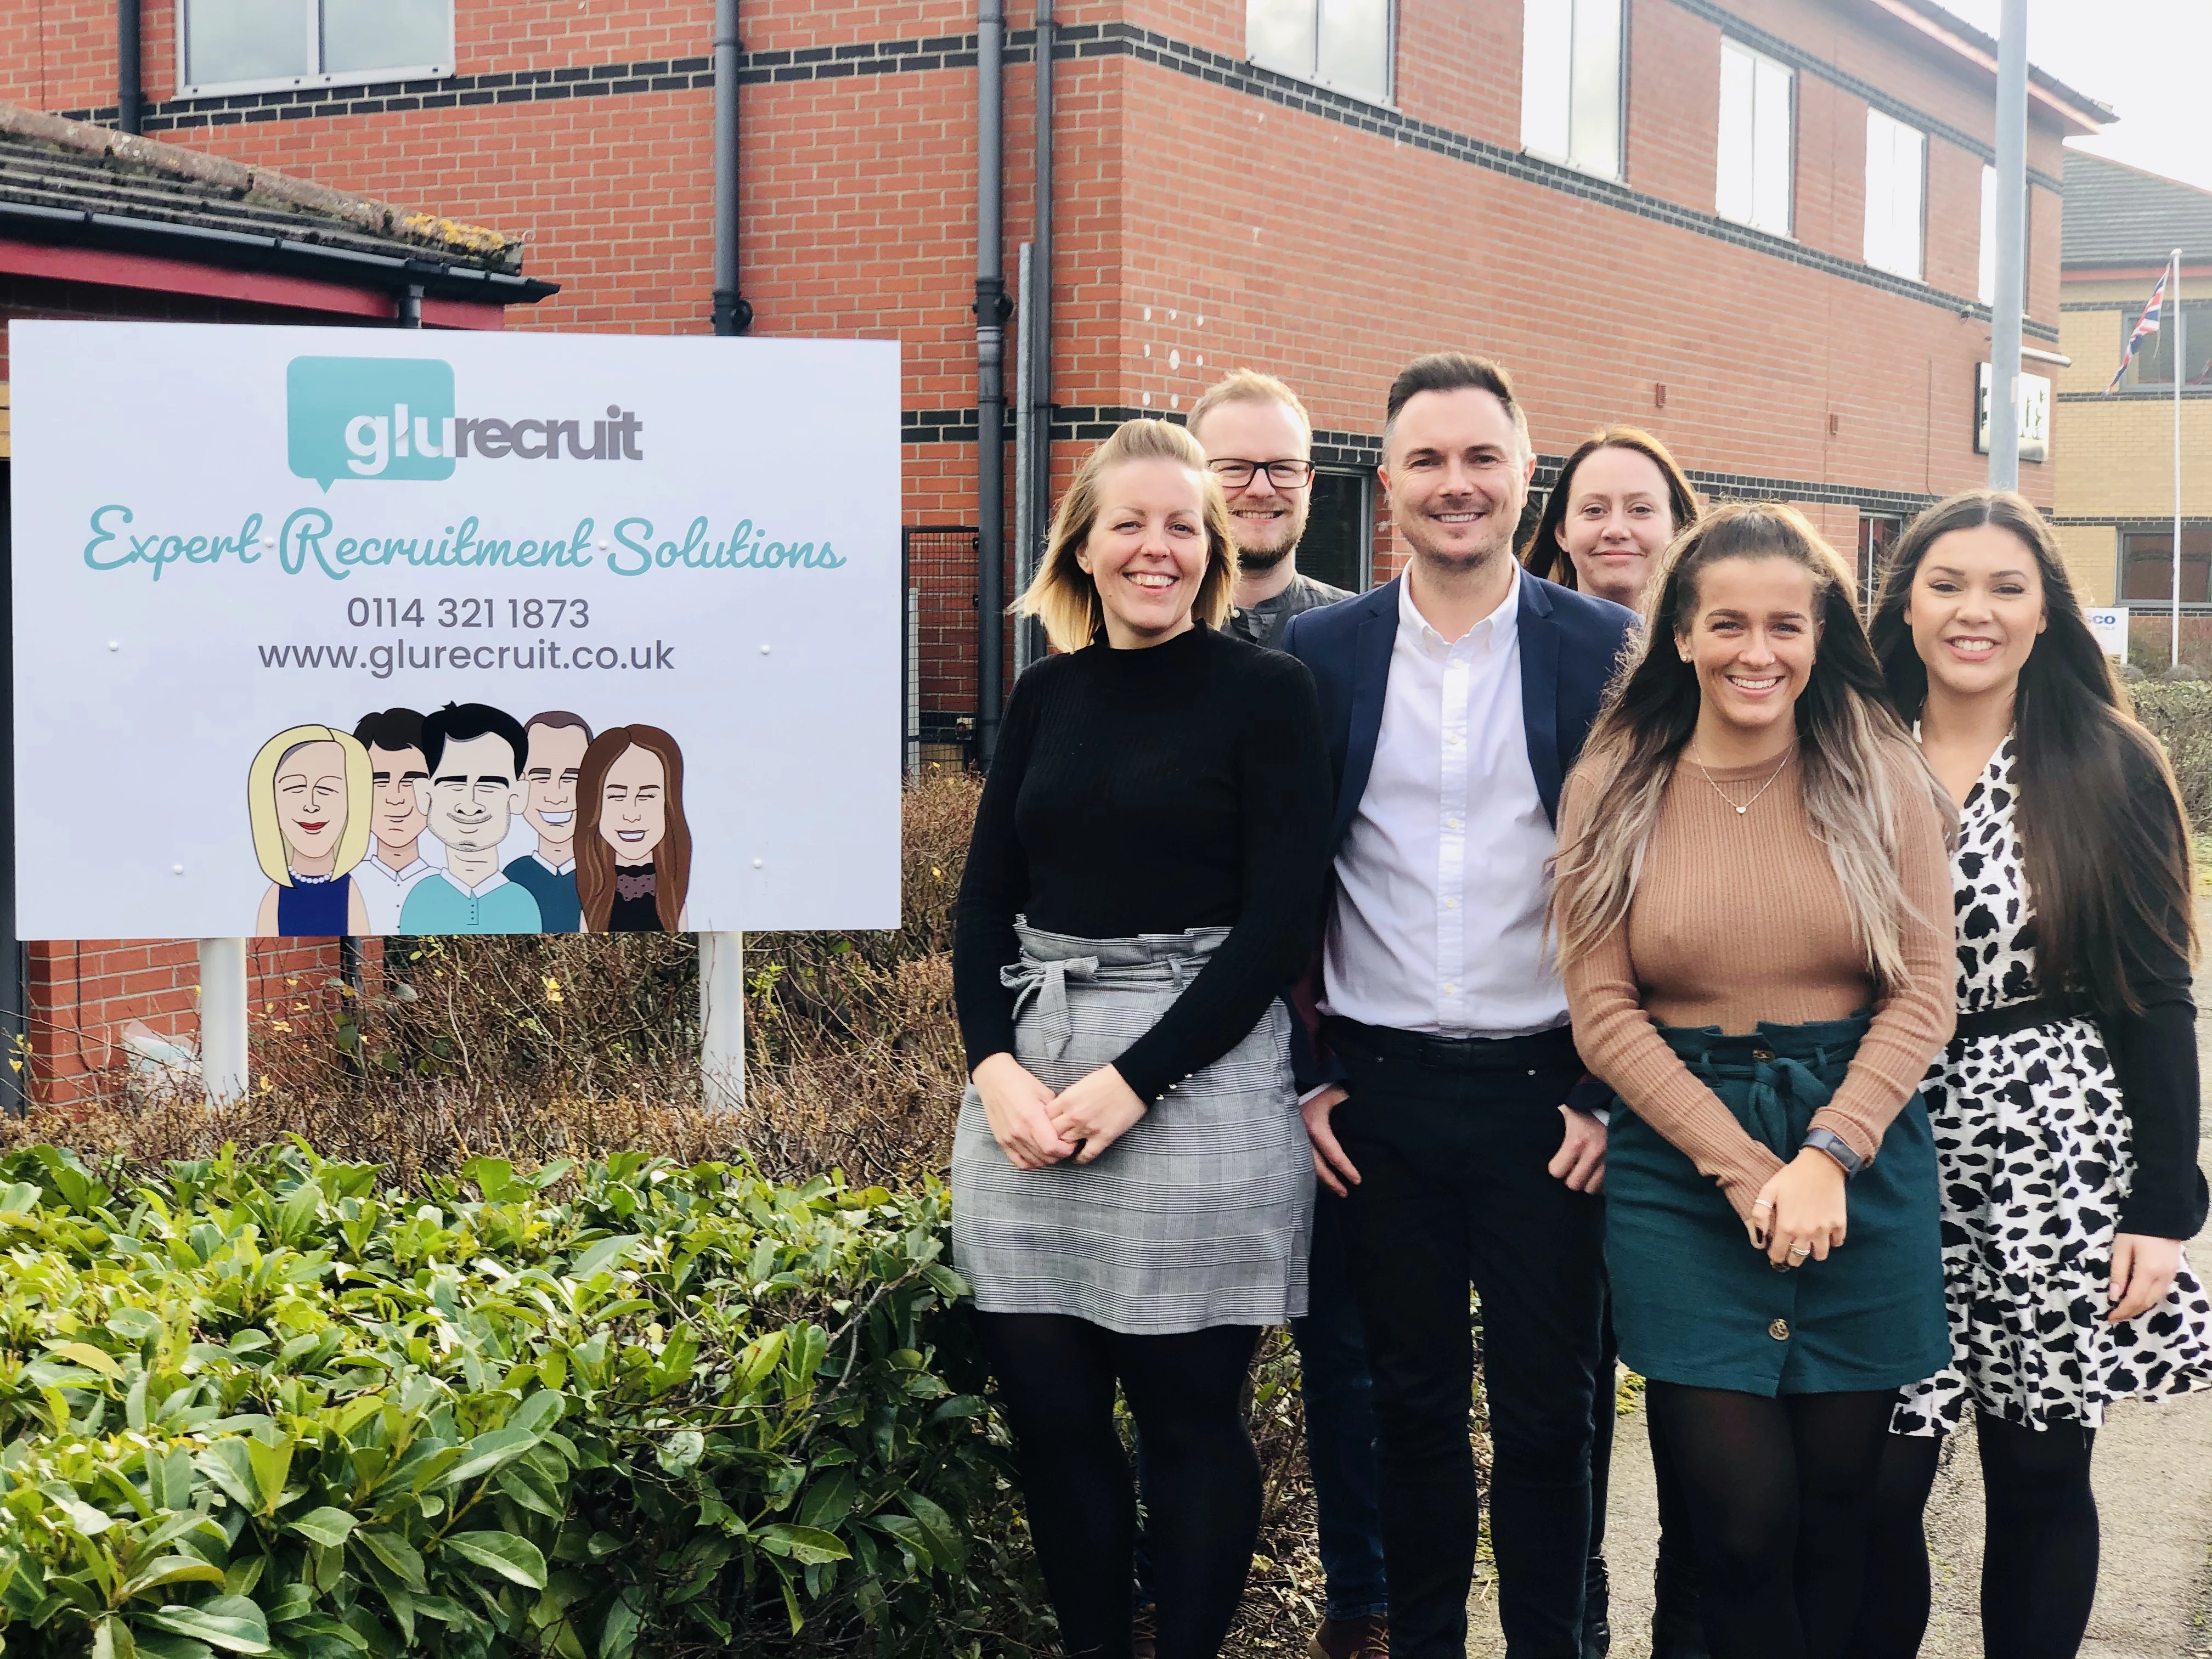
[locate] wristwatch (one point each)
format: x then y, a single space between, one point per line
1836 1147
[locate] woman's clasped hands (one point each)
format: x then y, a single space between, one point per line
1035 1128
1799 1214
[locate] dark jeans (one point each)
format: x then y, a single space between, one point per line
1451 1141
1339 1413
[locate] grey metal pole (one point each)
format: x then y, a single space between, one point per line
2012 261
991 309
1040 321
734 313
1025 489
2180 361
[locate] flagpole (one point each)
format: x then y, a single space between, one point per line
2180 346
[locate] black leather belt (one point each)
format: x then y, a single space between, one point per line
2017 1017
1554 1049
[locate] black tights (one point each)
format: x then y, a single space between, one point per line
1056 1376
1776 1491
2038 1550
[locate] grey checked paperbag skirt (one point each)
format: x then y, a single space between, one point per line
1199 1215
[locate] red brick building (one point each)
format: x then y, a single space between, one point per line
1754 226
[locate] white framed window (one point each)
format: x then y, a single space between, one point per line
1343 44
1570 81
1896 176
1757 137
274 46
1986 278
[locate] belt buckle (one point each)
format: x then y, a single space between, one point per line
1762 1054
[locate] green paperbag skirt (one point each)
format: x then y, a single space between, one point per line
1696 1303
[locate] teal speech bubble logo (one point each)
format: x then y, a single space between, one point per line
369 417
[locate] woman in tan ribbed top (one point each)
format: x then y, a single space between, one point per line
1752 913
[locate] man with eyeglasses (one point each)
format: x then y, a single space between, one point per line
1259 443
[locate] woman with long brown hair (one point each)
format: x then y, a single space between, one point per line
1619 501
1621 498
2065 1109
1749 913
633 847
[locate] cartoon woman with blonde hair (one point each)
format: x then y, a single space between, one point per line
308 794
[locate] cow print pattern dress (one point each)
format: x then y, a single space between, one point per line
2032 1144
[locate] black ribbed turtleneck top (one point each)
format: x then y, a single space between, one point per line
1181 785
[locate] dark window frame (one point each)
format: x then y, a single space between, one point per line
1362 481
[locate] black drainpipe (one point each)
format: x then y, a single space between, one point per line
127 100
734 313
992 309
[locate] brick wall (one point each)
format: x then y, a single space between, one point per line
2114 455
2117 458
85 993
2092 553
1209 215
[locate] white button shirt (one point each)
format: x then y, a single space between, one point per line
384 890
1438 920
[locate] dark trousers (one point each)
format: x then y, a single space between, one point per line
1339 1411
1451 1141
1340 1415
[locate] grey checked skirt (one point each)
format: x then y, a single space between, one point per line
1199 1215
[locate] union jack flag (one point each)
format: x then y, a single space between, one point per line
2146 326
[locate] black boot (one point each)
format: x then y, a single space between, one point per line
1677 1629
1597 1597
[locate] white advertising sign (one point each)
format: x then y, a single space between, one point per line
2111 627
2034 415
350 631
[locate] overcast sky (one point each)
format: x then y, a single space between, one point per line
2147 60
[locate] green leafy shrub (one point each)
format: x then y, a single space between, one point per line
260 1405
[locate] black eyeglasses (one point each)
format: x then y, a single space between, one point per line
1284 475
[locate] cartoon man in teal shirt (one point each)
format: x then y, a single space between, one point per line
557 741
475 756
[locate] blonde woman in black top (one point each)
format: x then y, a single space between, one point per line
1132 1184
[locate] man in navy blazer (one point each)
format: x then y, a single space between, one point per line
1455 699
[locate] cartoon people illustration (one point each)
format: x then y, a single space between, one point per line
308 795
474 757
557 741
633 848
395 861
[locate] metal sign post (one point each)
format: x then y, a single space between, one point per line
223 1067
722 1021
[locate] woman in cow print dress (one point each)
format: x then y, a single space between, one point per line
2065 1110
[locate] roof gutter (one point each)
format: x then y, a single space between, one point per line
2088 117
207 246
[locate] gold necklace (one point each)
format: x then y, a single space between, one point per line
1756 793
